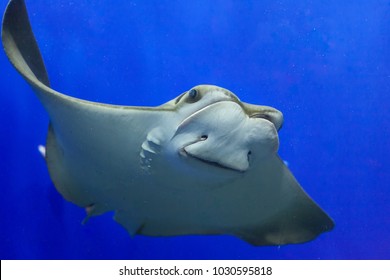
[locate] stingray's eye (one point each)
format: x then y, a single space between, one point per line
193 94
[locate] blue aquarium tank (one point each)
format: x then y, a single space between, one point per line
324 64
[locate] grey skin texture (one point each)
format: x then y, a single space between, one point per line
202 163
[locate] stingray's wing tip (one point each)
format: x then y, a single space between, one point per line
277 238
20 45
303 222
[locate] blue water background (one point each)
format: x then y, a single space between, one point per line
324 64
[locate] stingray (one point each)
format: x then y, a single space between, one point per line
203 163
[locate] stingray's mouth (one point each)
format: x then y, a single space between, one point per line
184 153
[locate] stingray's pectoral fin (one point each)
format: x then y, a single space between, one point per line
20 44
287 216
301 222
55 160
131 223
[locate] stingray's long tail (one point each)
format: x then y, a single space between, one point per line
20 45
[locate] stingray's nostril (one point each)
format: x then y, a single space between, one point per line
203 137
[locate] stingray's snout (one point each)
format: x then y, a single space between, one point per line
265 112
274 116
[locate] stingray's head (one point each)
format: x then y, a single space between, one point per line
217 131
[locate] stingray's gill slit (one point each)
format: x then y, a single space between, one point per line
203 163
